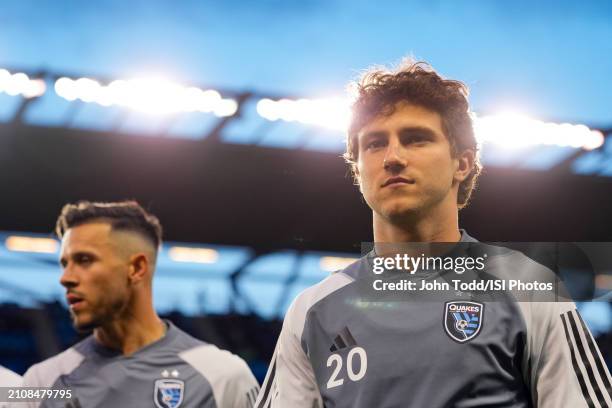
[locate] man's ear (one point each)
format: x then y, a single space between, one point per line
356 175
139 268
465 164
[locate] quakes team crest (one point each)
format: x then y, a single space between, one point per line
169 393
463 320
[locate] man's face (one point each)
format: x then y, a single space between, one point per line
405 163
95 275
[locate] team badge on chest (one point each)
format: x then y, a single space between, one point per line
463 320
169 393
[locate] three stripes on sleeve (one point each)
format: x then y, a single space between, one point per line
586 360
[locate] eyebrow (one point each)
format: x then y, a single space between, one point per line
403 131
75 254
374 134
417 129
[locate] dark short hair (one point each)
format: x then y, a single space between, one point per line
379 91
122 216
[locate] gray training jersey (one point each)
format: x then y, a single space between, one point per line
8 379
177 371
339 350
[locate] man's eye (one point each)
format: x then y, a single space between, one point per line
415 139
84 259
375 144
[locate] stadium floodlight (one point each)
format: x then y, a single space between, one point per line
335 263
225 107
193 254
31 244
147 95
21 84
87 89
514 130
65 88
332 113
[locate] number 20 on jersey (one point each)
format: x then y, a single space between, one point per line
356 357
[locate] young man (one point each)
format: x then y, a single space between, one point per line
133 358
413 153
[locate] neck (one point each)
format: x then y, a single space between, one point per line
440 224
131 332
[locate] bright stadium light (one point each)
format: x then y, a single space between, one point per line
332 113
147 95
193 99
5 77
193 255
152 95
34 89
335 263
87 89
20 84
226 107
31 244
514 130
266 109
65 88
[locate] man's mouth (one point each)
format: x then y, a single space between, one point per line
397 181
74 300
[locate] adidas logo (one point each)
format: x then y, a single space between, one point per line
342 340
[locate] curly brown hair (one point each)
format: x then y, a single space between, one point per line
379 91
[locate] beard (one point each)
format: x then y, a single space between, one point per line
106 311
405 209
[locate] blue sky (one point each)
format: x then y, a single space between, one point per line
551 59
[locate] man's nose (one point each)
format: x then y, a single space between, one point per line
394 160
68 278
